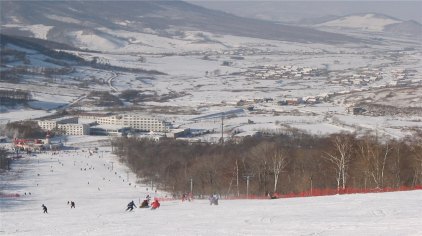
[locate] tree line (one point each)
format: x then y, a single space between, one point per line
279 164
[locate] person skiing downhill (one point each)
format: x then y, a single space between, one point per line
72 204
130 206
213 199
44 208
144 204
155 205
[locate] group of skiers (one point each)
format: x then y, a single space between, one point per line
144 204
130 205
213 199
72 204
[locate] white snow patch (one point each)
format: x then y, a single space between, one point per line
39 30
96 42
64 19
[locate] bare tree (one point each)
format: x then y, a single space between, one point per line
340 157
417 150
375 156
261 155
279 162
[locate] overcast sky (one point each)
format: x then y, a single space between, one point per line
295 10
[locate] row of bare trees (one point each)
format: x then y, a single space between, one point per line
282 164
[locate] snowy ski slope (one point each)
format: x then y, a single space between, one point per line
100 205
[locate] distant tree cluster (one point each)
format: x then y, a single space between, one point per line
24 129
4 160
104 99
136 96
10 55
282 164
14 96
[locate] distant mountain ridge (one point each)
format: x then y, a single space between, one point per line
370 22
66 21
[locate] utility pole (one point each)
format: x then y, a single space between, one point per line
247 184
111 165
311 185
191 185
237 179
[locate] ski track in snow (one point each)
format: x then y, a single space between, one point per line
100 205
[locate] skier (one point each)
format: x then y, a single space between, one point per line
44 208
144 204
130 206
213 199
72 204
155 204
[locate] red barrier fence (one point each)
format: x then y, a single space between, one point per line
9 195
313 193
325 192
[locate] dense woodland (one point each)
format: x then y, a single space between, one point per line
280 164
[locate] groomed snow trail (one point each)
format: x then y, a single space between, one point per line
100 205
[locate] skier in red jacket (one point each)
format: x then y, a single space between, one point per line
155 205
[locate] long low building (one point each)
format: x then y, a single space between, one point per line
115 125
136 121
109 130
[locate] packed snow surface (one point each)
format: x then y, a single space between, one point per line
101 195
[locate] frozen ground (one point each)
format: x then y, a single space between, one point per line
100 205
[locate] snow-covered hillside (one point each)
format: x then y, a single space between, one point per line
370 22
102 191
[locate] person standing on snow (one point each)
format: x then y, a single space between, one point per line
44 208
72 204
130 206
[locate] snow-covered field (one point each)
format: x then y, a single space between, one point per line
207 71
101 195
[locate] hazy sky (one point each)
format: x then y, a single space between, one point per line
296 10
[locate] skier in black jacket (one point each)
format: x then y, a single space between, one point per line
130 206
44 208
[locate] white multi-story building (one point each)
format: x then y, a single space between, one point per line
74 129
52 124
47 124
68 125
136 121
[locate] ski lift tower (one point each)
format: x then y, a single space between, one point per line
222 128
247 177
